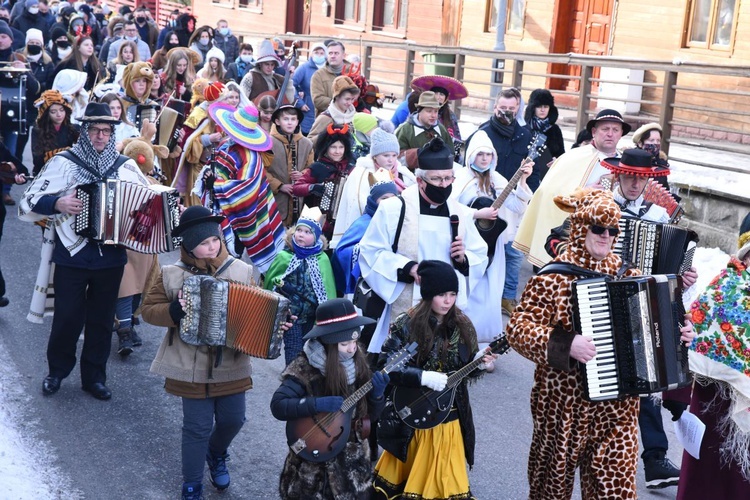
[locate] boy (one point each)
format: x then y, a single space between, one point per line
292 153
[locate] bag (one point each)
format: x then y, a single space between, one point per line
365 298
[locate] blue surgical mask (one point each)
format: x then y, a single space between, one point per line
319 60
203 41
224 31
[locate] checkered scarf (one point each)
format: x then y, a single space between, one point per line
101 162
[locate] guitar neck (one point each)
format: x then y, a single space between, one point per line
352 400
455 377
506 192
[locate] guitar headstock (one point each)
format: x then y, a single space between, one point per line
400 357
537 146
499 346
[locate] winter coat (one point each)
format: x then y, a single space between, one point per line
229 45
27 21
278 172
191 371
237 70
43 72
302 81
555 144
510 151
321 88
348 476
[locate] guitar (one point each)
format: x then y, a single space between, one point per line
491 229
321 437
280 93
423 408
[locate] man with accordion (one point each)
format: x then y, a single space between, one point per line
570 429
87 273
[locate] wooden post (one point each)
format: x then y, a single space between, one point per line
409 70
367 62
584 89
516 76
458 74
666 112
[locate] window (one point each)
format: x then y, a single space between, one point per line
256 5
514 15
492 8
390 14
351 11
711 24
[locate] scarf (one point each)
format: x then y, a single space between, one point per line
339 117
100 162
309 255
501 128
540 125
336 69
316 355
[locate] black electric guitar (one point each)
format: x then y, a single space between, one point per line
423 408
321 437
491 229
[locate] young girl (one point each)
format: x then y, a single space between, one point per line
214 69
331 368
137 79
266 106
212 389
126 54
302 272
341 110
53 131
333 153
83 59
179 73
124 129
430 463
479 178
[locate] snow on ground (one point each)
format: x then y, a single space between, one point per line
26 462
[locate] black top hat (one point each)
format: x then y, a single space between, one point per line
98 112
336 321
609 115
635 162
435 155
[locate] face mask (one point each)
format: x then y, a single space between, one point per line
34 49
653 149
246 58
62 45
6 19
33 10
63 53
506 117
437 194
131 38
203 42
319 60
224 31
140 20
480 170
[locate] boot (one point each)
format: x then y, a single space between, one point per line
137 340
217 467
126 343
192 491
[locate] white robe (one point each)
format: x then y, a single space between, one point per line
422 237
484 301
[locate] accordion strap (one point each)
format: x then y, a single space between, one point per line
581 272
195 270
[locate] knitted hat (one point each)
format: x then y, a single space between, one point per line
609 115
435 155
383 142
215 52
315 46
428 100
342 83
364 122
311 219
589 207
436 277
336 321
266 53
196 224
382 188
57 32
645 131
48 98
31 3
134 71
5 29
34 34
213 91
743 243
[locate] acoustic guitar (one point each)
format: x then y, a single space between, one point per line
491 229
321 437
423 408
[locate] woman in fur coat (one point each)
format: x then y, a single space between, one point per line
541 116
330 369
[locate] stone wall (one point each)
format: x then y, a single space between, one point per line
714 215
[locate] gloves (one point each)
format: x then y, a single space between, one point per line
317 189
328 404
480 354
434 380
675 408
379 383
208 179
176 312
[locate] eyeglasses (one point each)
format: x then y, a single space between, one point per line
599 230
438 180
106 132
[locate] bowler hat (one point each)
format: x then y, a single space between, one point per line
609 115
336 321
98 112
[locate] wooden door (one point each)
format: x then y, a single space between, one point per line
296 17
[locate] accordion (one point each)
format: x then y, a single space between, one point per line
137 216
242 317
329 202
656 248
170 122
635 325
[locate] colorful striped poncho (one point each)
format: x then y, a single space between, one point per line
245 198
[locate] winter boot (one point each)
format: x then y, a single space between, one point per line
192 491
126 342
217 467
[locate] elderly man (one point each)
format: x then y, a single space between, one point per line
389 256
578 167
321 84
87 273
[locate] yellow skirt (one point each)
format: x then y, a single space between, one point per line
435 467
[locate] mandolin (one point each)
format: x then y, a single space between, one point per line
423 408
321 437
491 229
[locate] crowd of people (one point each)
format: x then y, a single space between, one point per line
293 185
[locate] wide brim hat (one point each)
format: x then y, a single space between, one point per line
194 218
241 125
195 58
336 321
98 112
609 115
287 107
636 162
456 89
266 53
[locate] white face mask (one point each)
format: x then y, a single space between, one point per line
33 10
246 58
131 38
63 53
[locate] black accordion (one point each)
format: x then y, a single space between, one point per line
656 248
635 325
137 216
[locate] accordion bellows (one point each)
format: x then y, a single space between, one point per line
242 317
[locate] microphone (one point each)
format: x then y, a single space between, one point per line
454 227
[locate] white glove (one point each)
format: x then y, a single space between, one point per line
480 354
434 380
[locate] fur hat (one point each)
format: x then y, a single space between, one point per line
541 97
332 134
134 71
435 155
343 83
427 99
214 52
743 243
50 97
645 130
436 277
266 53
383 142
588 207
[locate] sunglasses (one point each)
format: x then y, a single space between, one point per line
599 230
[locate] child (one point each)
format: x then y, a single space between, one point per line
334 162
266 106
447 341
292 153
212 389
331 368
137 80
302 272
214 70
